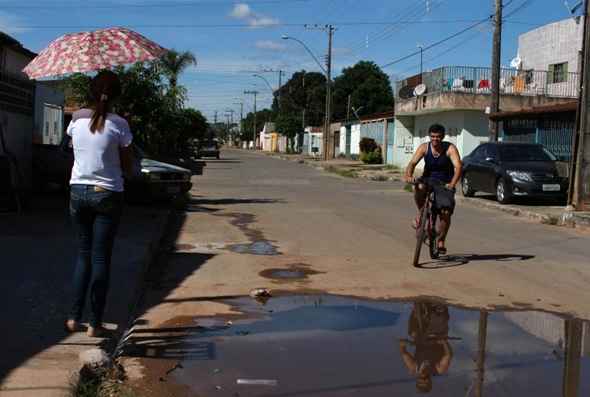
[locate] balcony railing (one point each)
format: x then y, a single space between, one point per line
478 80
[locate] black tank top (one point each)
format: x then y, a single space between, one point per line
440 167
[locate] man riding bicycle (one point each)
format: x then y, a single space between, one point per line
442 164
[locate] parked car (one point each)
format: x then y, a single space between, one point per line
511 170
156 180
208 149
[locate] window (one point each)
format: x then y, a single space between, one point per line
557 73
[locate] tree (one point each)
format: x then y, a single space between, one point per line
173 63
262 116
368 88
289 126
303 91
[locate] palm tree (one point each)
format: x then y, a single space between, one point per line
173 63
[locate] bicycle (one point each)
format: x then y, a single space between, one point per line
426 232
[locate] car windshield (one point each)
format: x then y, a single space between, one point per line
525 153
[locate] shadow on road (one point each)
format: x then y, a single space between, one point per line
463 259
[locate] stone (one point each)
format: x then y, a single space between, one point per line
95 358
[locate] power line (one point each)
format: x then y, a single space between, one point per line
145 5
488 19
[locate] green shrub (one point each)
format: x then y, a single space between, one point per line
368 145
373 157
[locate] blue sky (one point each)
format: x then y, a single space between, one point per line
232 39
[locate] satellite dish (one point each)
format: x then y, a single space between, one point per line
516 63
420 90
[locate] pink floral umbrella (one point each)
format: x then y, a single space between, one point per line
90 51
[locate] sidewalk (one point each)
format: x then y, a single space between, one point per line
38 357
539 212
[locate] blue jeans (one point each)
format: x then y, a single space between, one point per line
95 215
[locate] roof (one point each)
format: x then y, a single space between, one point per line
13 43
566 107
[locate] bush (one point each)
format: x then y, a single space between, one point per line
373 157
368 145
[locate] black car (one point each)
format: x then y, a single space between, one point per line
512 170
208 149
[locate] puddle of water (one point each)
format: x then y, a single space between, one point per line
255 248
334 346
294 272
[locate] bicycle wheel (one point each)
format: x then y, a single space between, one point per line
433 237
421 233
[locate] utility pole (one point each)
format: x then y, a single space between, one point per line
254 129
348 109
496 55
241 113
215 118
580 191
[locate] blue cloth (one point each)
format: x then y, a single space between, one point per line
95 215
441 167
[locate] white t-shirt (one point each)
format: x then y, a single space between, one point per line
96 155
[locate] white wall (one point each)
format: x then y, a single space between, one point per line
46 95
465 129
342 146
355 139
403 141
553 43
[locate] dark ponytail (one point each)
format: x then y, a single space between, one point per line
105 88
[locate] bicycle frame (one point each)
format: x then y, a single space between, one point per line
426 231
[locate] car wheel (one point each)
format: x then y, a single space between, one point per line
466 188
502 194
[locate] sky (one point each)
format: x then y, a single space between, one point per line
232 40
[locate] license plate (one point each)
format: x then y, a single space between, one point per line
551 188
173 189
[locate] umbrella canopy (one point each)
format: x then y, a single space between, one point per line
90 51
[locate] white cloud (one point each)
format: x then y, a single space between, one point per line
243 12
11 24
270 45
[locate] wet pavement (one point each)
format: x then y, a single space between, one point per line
324 345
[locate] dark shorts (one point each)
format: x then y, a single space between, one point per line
444 199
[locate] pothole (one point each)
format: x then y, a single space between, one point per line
264 247
293 272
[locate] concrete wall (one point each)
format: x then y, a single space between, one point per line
46 95
553 43
355 139
18 134
14 62
465 129
403 141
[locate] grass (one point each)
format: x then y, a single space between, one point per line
409 188
105 383
391 167
347 173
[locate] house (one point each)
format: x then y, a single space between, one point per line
266 137
458 98
17 98
48 121
313 141
379 127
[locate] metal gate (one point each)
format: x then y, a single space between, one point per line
555 134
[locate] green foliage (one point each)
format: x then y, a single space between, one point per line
173 63
373 157
303 91
370 151
289 126
262 116
367 145
368 87
152 105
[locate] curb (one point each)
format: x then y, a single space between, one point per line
565 219
153 248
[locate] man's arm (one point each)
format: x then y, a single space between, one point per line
418 155
457 165
445 362
408 359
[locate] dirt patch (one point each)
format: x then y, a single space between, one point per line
293 272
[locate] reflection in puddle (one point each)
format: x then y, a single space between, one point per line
256 248
334 346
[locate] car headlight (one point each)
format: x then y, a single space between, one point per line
520 175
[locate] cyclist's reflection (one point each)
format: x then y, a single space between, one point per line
428 329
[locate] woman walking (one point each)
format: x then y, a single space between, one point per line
102 152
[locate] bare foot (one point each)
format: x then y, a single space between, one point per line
97 332
72 326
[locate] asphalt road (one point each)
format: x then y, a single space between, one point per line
358 233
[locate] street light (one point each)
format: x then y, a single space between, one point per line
285 37
266 81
